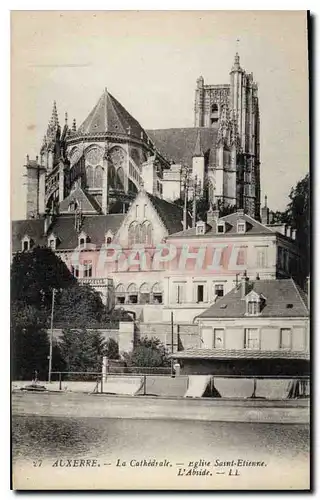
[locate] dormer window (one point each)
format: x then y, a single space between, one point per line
26 243
253 308
73 206
241 227
83 240
221 227
52 243
200 228
254 302
108 237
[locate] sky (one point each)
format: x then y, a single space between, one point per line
149 61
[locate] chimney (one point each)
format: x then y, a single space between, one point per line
293 233
244 285
265 218
213 219
240 212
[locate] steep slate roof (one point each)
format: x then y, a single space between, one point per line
170 213
34 228
238 354
179 144
88 203
109 115
278 294
253 227
95 226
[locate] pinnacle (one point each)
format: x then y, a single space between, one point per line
236 64
54 117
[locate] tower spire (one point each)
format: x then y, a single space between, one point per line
54 116
236 64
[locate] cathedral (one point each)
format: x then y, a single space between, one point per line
109 158
111 182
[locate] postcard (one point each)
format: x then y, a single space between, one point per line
160 271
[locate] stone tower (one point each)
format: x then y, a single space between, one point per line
35 188
233 109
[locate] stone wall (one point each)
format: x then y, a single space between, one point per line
184 336
107 334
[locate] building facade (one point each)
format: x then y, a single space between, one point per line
260 327
144 260
110 155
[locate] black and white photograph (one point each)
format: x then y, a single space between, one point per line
160 250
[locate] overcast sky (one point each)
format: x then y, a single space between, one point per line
150 62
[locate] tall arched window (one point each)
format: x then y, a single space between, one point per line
120 294
132 234
214 113
144 294
111 175
98 176
146 233
120 178
138 233
90 177
157 294
132 294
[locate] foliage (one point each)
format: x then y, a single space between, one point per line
79 307
297 215
148 352
113 318
82 350
34 275
30 343
278 217
111 349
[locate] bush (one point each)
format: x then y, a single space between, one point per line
148 352
111 349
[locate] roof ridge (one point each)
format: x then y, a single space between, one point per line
113 101
95 109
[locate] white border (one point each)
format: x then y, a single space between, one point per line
5 177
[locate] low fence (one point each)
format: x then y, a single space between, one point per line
149 381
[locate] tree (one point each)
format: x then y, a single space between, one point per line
79 307
148 352
111 349
34 274
82 350
30 343
297 215
299 218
